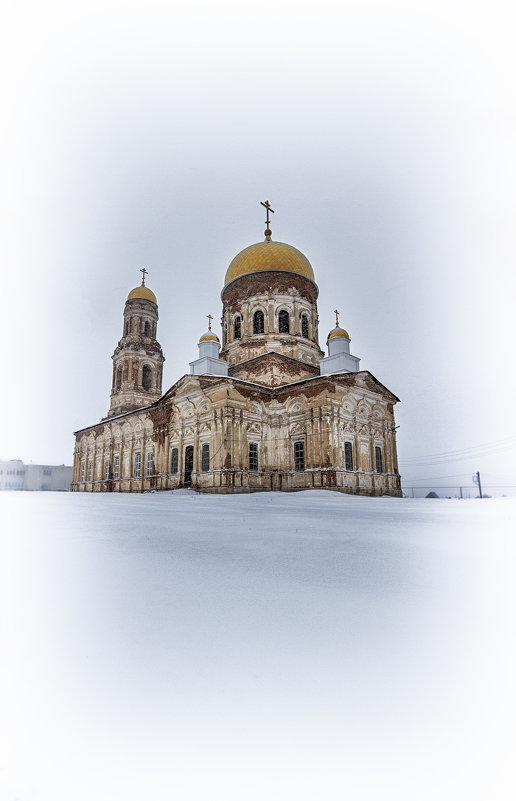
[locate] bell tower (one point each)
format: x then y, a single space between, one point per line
138 358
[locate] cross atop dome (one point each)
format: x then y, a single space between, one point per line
337 332
268 232
142 292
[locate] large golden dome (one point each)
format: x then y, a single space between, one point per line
143 293
266 256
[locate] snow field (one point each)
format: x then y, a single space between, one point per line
282 646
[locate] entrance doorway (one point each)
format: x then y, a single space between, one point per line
276 481
188 465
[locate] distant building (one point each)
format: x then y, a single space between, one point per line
15 475
265 409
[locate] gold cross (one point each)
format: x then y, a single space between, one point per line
210 318
267 205
144 272
268 231
336 313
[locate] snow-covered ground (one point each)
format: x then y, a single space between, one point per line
272 646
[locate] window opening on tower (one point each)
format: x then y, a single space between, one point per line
283 322
304 326
258 322
146 377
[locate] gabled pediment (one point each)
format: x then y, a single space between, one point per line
273 369
366 380
184 384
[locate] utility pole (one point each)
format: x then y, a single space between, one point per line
476 480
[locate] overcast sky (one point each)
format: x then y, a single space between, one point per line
146 134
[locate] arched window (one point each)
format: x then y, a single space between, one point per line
174 460
146 377
150 463
137 465
253 456
205 458
118 383
283 322
378 459
188 465
238 327
304 326
299 455
258 323
348 454
126 328
106 469
147 329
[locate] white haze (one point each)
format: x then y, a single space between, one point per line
280 646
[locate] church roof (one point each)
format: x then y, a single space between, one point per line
267 256
338 332
363 378
142 293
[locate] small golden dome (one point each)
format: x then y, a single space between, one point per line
142 293
267 256
338 332
209 336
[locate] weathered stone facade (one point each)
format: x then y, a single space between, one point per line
271 293
273 422
138 358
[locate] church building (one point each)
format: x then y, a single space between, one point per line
263 409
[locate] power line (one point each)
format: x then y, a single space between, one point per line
437 478
495 443
459 453
449 460
458 486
